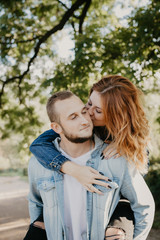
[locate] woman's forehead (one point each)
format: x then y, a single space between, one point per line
96 99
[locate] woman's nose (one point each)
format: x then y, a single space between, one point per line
90 110
87 106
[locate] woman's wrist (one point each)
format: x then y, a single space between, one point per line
70 168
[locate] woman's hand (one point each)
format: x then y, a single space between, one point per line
87 176
110 152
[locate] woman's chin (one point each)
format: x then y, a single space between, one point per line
98 124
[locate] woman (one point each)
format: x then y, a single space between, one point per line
115 109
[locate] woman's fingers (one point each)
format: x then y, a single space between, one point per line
93 189
98 175
88 177
110 153
117 156
93 170
95 178
104 184
102 177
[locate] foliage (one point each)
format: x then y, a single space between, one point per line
106 48
133 50
158 118
153 181
26 30
142 40
103 45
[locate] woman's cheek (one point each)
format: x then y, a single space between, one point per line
97 117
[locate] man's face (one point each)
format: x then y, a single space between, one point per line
74 119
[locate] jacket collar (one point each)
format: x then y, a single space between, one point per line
98 144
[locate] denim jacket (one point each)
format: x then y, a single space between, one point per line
46 192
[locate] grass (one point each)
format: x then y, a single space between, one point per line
156 224
11 172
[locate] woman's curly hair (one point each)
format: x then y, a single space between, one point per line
125 120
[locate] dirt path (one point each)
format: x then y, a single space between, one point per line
14 217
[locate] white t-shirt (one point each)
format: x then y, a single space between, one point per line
75 201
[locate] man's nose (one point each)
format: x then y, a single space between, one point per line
84 121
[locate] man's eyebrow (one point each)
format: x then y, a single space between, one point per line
70 115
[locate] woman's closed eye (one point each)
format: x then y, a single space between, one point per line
89 103
98 111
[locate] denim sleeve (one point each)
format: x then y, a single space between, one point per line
45 152
35 203
141 200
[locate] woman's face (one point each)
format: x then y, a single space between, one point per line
94 106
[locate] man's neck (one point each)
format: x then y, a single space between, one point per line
76 149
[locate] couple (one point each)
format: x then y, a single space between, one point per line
69 211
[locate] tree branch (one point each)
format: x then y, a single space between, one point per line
72 24
43 39
64 5
23 41
83 15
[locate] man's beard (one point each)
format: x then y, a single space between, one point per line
76 139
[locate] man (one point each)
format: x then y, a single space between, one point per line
70 212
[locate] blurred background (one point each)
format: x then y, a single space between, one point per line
47 46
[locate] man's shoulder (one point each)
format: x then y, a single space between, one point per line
39 171
33 160
118 161
34 165
116 167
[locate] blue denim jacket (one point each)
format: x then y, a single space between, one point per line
46 192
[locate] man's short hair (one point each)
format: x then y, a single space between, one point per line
62 95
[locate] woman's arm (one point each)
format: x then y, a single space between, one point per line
45 152
52 159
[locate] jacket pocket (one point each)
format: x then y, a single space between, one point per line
47 190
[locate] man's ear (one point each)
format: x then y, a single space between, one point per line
56 127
